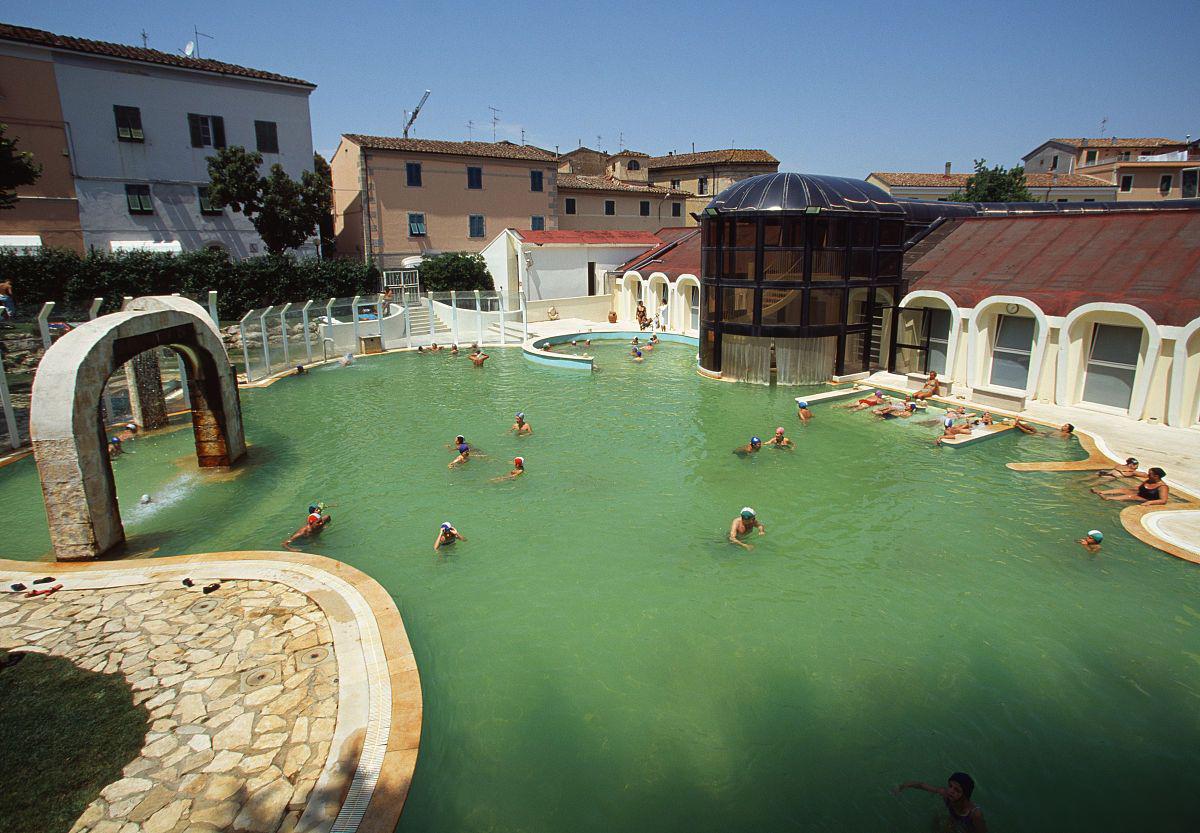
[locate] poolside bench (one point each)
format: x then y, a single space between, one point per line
1005 399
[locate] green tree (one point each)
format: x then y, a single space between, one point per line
283 211
994 184
16 168
325 223
455 271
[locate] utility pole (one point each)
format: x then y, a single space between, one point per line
621 141
495 120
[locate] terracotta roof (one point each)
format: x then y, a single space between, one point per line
636 153
590 237
673 258
500 150
40 37
959 180
1111 142
712 157
1149 259
567 182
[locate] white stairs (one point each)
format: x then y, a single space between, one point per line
418 322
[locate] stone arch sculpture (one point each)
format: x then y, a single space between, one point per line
69 439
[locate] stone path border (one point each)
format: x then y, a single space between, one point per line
378 729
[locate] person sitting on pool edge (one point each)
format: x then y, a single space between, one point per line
464 455
870 401
447 535
751 447
779 440
517 471
300 370
746 521
1091 541
311 528
931 387
479 357
1127 469
964 814
521 427
802 410
1151 492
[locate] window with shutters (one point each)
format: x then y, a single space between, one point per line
476 225
266 134
206 131
412 174
702 185
610 207
416 225
474 178
206 206
137 197
537 223
129 124
535 180
569 205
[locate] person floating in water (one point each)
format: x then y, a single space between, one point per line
870 401
1127 469
745 523
517 470
479 357
447 535
802 410
346 360
521 427
896 408
1023 427
755 445
1091 541
779 440
313 524
464 455
636 353
964 814
1152 491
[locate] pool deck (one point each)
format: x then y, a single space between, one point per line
287 701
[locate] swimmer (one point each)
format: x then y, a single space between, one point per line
129 433
1091 541
421 350
896 409
746 521
653 339
300 371
310 528
964 815
346 360
478 358
433 348
751 447
521 427
802 410
453 349
464 455
517 471
779 440
574 343
1023 427
458 440
1127 469
930 388
876 398
145 499
587 342
636 354
114 446
635 341
1066 429
1151 492
447 535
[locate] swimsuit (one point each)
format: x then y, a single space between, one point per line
960 823
1146 492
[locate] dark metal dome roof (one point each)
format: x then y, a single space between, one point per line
796 192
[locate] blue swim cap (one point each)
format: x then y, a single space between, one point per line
464 448
800 403
312 507
637 352
755 441
116 440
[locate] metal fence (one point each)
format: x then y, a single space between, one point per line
271 339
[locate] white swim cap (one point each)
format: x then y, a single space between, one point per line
1096 535
447 525
144 499
746 510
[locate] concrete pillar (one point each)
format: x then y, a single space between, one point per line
146 400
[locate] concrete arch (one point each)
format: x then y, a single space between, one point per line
1037 353
955 321
683 307
652 293
69 441
1183 409
1064 383
631 288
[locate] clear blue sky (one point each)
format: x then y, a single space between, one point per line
833 87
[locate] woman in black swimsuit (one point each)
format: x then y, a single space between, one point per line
964 815
1151 492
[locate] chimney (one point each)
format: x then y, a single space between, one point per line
1083 143
1114 141
947 169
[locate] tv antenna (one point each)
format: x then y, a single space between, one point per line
1103 125
621 141
522 136
495 120
145 39
409 118
598 147
192 50
471 130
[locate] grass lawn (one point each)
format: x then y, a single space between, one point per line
66 734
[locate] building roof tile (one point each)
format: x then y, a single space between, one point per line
712 157
959 180
589 237
1149 259
499 150
677 256
577 182
39 37
1114 142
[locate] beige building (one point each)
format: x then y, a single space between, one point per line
1140 168
604 202
706 173
1045 187
398 198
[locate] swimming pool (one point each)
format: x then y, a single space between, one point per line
596 657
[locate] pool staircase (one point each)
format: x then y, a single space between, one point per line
418 322
512 331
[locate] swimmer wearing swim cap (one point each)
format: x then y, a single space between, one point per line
464 454
517 470
636 353
802 410
781 441
752 447
746 521
1091 541
447 535
521 427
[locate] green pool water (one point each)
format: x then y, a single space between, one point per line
597 658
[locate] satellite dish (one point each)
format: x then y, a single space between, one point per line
190 49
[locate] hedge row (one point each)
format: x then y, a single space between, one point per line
72 280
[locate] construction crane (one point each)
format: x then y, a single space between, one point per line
412 118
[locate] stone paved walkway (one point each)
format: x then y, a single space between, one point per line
241 686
